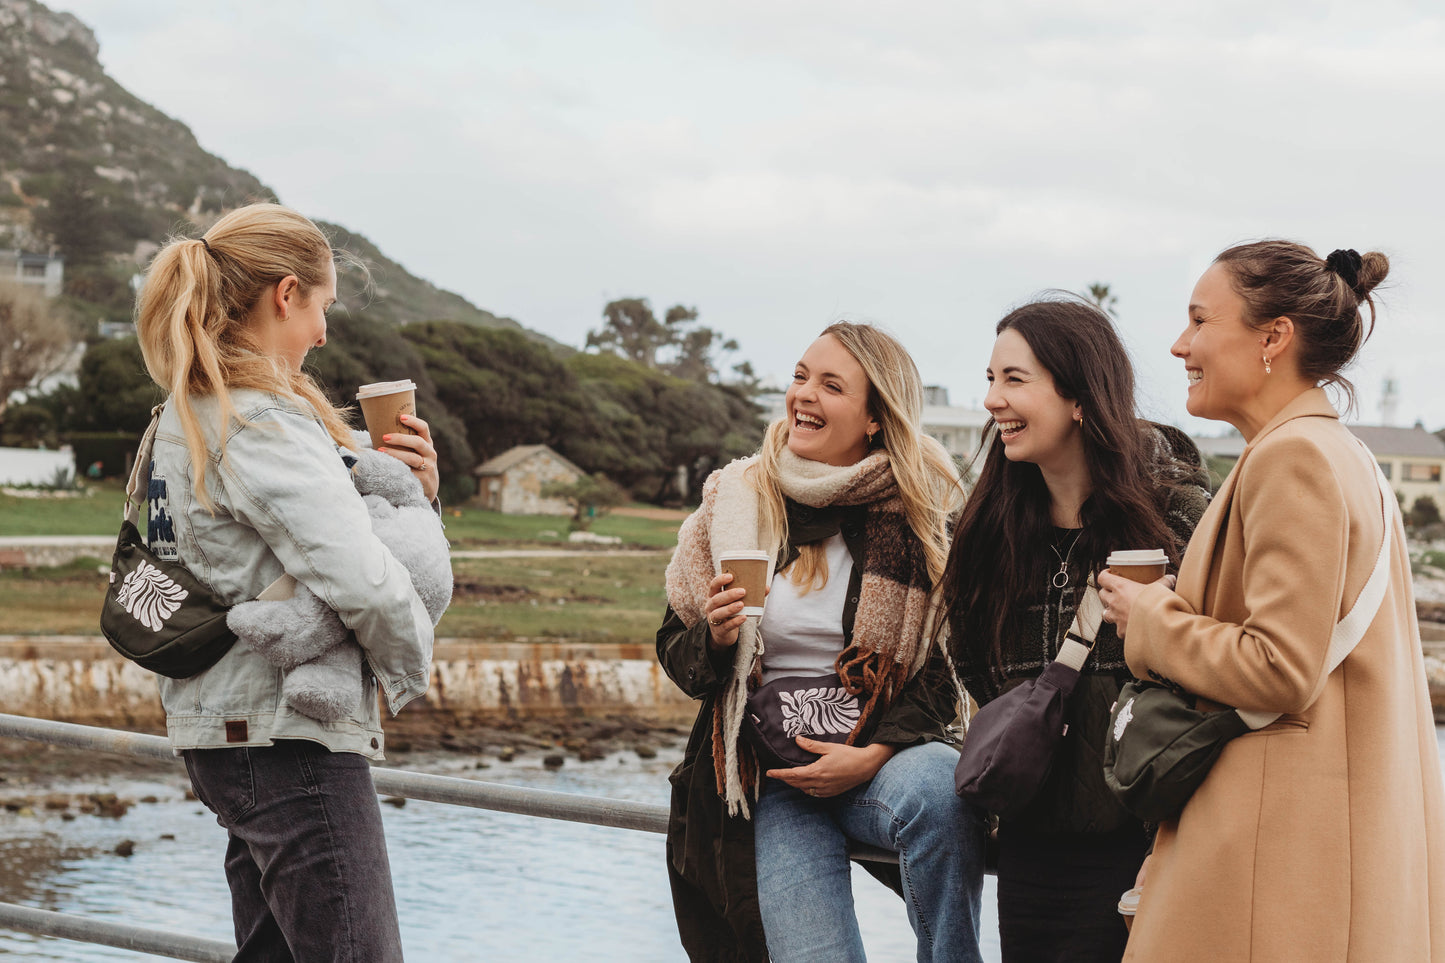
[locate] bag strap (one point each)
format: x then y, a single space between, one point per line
1350 629
142 467
1079 641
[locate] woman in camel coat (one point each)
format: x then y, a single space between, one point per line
1322 836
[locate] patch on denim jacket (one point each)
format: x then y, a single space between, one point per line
160 530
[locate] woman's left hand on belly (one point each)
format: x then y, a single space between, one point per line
838 769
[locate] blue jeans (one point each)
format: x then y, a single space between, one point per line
306 862
805 884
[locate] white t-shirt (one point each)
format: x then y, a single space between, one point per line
803 634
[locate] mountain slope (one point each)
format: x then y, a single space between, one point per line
93 172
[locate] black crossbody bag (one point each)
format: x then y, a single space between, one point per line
156 613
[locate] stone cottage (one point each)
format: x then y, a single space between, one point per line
512 482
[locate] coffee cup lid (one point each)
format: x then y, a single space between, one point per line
1129 902
1146 556
745 553
384 388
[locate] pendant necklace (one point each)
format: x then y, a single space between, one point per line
1061 577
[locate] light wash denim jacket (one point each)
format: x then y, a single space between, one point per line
284 502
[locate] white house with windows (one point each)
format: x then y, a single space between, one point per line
1413 459
44 271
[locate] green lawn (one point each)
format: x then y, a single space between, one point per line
579 598
584 597
53 601
467 527
614 598
97 512
475 528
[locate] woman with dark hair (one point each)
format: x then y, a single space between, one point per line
1070 474
1322 835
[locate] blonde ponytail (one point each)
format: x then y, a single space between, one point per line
193 319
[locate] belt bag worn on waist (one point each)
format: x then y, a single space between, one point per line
818 707
156 613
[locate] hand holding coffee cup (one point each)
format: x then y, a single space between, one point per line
1125 577
382 405
389 409
738 591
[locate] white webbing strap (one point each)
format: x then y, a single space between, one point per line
142 467
1350 629
1079 641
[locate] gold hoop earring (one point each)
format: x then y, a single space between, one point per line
1266 363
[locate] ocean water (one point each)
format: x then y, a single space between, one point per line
470 884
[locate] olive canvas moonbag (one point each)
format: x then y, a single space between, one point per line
156 613
1160 746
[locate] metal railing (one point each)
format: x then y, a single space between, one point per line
450 790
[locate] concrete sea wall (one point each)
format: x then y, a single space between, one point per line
80 679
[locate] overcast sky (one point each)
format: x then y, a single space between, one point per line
783 164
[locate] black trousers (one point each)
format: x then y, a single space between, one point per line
1058 894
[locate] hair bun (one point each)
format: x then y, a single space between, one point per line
1346 263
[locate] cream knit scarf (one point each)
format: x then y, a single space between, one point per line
889 640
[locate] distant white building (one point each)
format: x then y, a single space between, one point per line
1412 459
44 271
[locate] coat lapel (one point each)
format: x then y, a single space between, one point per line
1194 570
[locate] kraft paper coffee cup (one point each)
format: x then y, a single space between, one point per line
383 404
1146 565
751 571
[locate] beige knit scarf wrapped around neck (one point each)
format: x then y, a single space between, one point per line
888 644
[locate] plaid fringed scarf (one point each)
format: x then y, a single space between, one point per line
888 644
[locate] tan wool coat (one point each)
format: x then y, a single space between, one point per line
1321 837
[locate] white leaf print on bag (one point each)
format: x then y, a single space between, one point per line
826 709
150 596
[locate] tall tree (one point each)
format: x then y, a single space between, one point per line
504 387
115 391
631 329
33 341
1102 298
676 345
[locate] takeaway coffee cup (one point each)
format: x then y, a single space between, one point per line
1128 906
383 404
751 571
1139 566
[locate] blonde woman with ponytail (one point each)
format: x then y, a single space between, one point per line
249 480
852 500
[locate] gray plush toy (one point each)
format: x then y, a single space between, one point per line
306 639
